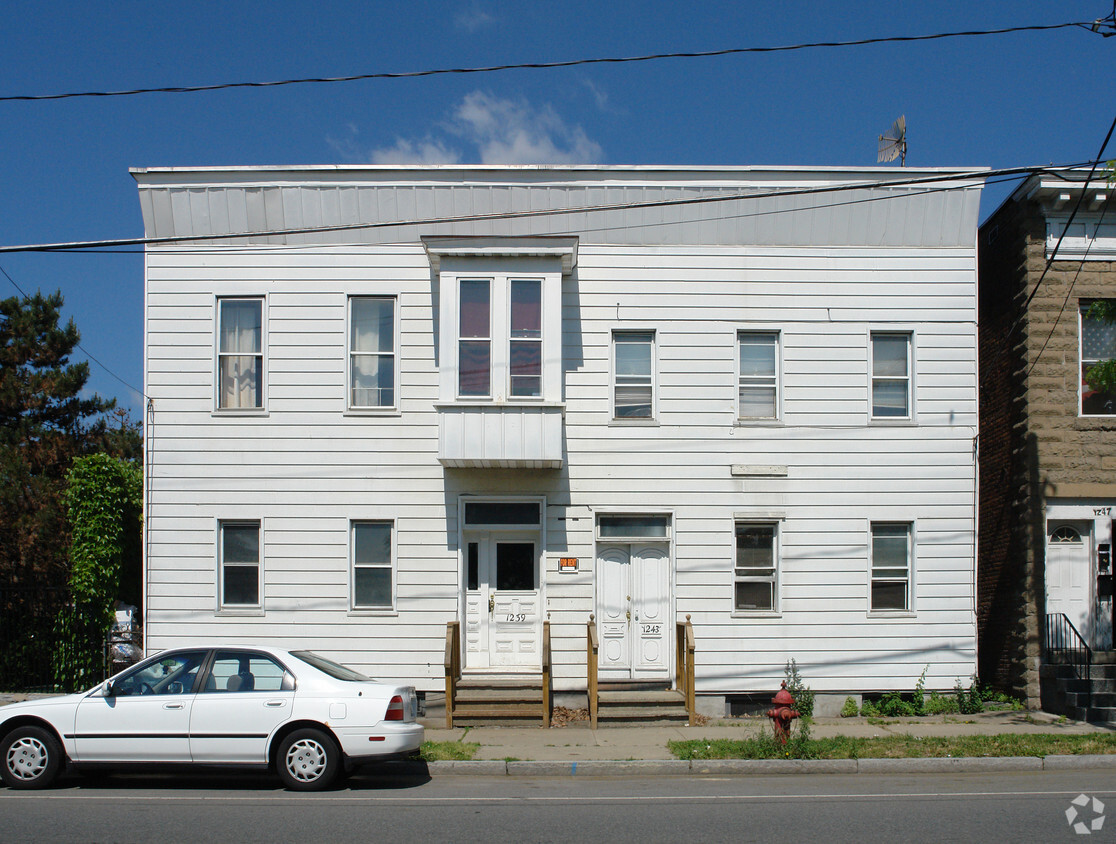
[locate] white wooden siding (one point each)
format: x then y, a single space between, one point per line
306 467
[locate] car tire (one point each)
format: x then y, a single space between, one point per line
30 757
308 760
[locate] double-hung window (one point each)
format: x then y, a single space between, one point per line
758 379
891 566
1098 344
891 375
525 343
633 383
372 353
240 354
500 338
371 548
756 568
238 564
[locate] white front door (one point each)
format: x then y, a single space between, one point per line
1069 574
503 616
633 602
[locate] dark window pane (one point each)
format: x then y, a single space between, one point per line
475 311
474 367
755 546
754 595
372 586
472 563
636 526
503 513
240 543
515 566
526 309
889 596
242 585
372 542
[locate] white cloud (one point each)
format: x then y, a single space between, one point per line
503 131
473 18
426 151
514 132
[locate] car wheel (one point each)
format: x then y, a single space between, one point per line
308 760
32 758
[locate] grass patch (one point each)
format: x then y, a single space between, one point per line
896 747
448 751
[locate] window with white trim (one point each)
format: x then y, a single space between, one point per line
891 375
240 354
758 374
1098 344
756 567
500 338
633 376
372 352
238 564
371 550
891 566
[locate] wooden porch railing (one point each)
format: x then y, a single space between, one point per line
684 664
453 668
547 706
592 646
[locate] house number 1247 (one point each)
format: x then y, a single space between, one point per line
1102 511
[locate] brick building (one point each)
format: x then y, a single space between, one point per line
1047 442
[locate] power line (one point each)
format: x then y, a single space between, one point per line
1054 253
84 350
1100 26
914 181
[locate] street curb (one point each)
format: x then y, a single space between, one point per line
755 767
1074 763
949 764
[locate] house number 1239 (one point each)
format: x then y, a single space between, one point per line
516 617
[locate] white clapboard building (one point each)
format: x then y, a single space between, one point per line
387 399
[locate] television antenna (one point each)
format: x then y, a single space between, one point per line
893 142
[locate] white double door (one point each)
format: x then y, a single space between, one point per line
503 615
633 605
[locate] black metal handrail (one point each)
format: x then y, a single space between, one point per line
1062 639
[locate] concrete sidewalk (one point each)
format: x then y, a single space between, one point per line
577 749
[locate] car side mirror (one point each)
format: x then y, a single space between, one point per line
108 690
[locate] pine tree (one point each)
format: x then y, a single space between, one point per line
45 422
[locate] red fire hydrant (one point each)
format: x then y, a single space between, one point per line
782 713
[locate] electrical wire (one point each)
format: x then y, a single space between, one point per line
82 348
923 180
1095 26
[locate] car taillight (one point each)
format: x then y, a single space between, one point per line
395 709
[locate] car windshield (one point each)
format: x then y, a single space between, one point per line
328 666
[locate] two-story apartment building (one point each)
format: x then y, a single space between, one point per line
1048 440
384 399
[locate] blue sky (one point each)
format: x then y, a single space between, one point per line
1000 101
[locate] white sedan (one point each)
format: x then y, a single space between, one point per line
307 717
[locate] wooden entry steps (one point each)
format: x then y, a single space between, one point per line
504 702
627 704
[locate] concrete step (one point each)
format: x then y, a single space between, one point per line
643 714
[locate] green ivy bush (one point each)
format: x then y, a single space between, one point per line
850 709
104 501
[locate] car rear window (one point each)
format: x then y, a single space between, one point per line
328 666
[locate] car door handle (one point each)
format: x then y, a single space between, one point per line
173 706
276 703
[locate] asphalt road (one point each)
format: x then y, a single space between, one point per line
1019 806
